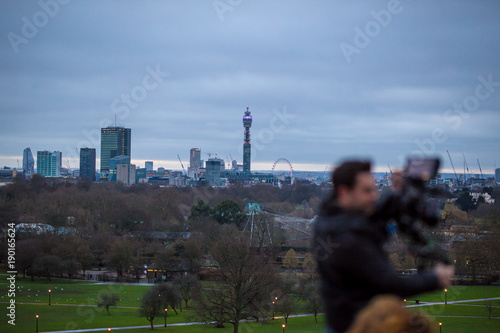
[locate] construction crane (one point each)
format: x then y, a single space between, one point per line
466 166
182 165
390 168
480 170
324 172
458 180
18 164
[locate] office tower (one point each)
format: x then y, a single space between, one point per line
141 175
28 163
115 141
194 160
213 169
247 123
497 175
149 165
48 163
87 163
113 164
125 173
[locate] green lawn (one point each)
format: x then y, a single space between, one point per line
456 310
468 325
458 293
63 292
53 318
79 294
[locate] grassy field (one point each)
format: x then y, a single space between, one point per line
73 307
458 293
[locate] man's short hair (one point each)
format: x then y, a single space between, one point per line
344 175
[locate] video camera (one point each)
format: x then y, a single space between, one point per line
416 207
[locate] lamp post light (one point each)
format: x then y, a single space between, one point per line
446 296
283 327
109 329
273 310
440 325
49 296
36 323
405 302
166 314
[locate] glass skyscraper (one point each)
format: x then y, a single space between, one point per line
28 163
87 163
115 141
48 163
194 160
113 165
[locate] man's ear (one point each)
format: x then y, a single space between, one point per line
342 191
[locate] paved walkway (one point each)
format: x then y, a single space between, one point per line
451 302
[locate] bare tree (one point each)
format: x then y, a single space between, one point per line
309 286
286 303
151 306
106 300
168 294
188 286
120 256
244 284
472 251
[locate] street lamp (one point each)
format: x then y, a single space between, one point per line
440 325
283 327
49 296
405 302
109 329
166 314
446 296
36 323
273 310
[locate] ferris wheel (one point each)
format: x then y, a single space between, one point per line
283 160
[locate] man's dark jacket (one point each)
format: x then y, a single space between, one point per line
353 266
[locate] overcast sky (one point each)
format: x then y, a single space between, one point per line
324 80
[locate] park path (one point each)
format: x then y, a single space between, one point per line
292 316
451 302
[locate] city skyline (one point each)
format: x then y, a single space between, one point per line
324 81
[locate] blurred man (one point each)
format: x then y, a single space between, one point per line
348 243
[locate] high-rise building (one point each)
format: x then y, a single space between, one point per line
125 173
194 160
87 163
149 165
28 163
115 141
213 169
247 123
497 175
48 163
113 165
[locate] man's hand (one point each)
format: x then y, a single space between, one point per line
445 274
